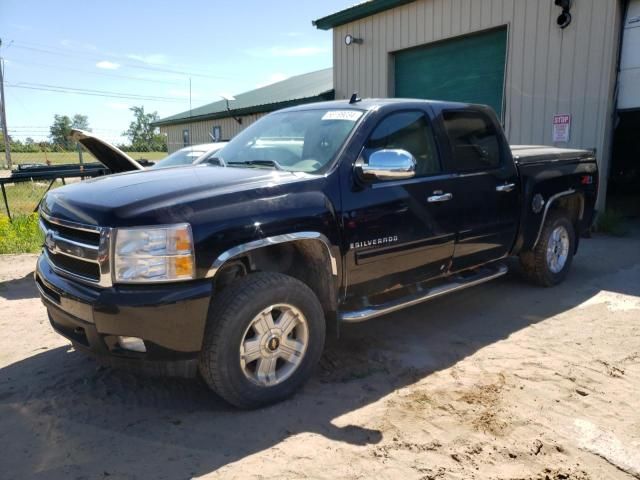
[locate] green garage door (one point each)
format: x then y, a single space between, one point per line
466 69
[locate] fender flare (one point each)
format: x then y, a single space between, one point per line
547 207
268 241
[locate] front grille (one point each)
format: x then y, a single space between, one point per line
89 237
77 251
85 269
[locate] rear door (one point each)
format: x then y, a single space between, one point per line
486 189
396 235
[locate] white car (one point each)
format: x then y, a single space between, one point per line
118 161
194 154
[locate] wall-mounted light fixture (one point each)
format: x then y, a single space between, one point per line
564 19
350 39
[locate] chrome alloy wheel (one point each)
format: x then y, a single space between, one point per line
274 345
558 249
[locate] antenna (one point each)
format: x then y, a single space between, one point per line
354 98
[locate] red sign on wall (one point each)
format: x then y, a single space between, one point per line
561 127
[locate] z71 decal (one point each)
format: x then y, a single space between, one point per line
376 242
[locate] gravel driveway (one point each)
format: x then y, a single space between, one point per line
504 380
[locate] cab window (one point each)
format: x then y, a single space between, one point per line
474 140
408 131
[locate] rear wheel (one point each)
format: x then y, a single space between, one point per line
264 336
549 262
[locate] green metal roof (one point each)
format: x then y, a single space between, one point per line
356 12
309 87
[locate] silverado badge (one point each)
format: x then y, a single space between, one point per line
376 242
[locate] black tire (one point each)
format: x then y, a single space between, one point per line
230 315
534 262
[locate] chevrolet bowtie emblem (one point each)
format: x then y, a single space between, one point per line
49 241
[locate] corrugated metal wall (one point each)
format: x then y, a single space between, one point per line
549 70
629 97
200 130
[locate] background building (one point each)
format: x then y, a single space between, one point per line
510 54
225 119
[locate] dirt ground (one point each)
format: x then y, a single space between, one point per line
502 381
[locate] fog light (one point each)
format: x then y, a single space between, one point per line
134 344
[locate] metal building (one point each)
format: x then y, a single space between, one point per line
548 67
223 119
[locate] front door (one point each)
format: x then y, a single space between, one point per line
400 231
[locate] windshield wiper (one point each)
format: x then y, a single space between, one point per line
259 163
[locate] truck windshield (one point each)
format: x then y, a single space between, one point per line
298 141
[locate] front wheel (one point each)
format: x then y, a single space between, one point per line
549 262
265 334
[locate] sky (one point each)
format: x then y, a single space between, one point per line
100 58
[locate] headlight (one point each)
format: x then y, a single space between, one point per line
154 254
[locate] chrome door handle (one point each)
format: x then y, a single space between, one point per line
439 197
507 187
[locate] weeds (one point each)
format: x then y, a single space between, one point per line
612 222
22 235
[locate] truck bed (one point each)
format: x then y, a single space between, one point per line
528 154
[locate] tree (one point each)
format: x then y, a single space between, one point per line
60 130
2 139
80 122
143 136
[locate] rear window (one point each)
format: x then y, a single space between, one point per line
474 140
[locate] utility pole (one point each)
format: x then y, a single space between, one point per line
3 115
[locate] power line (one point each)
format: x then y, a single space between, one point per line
141 67
93 93
47 131
90 90
35 129
102 74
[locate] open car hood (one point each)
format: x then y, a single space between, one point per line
112 157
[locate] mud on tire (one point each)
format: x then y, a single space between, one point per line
237 324
549 262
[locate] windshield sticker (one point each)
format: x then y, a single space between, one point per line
349 115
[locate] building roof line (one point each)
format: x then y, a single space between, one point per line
316 85
265 108
356 12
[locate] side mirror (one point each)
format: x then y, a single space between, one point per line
392 164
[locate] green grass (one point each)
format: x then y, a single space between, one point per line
612 222
72 157
24 197
22 235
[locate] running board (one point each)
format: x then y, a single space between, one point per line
459 282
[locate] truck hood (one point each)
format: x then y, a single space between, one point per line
160 196
111 157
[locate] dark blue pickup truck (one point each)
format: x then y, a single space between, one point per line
331 212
